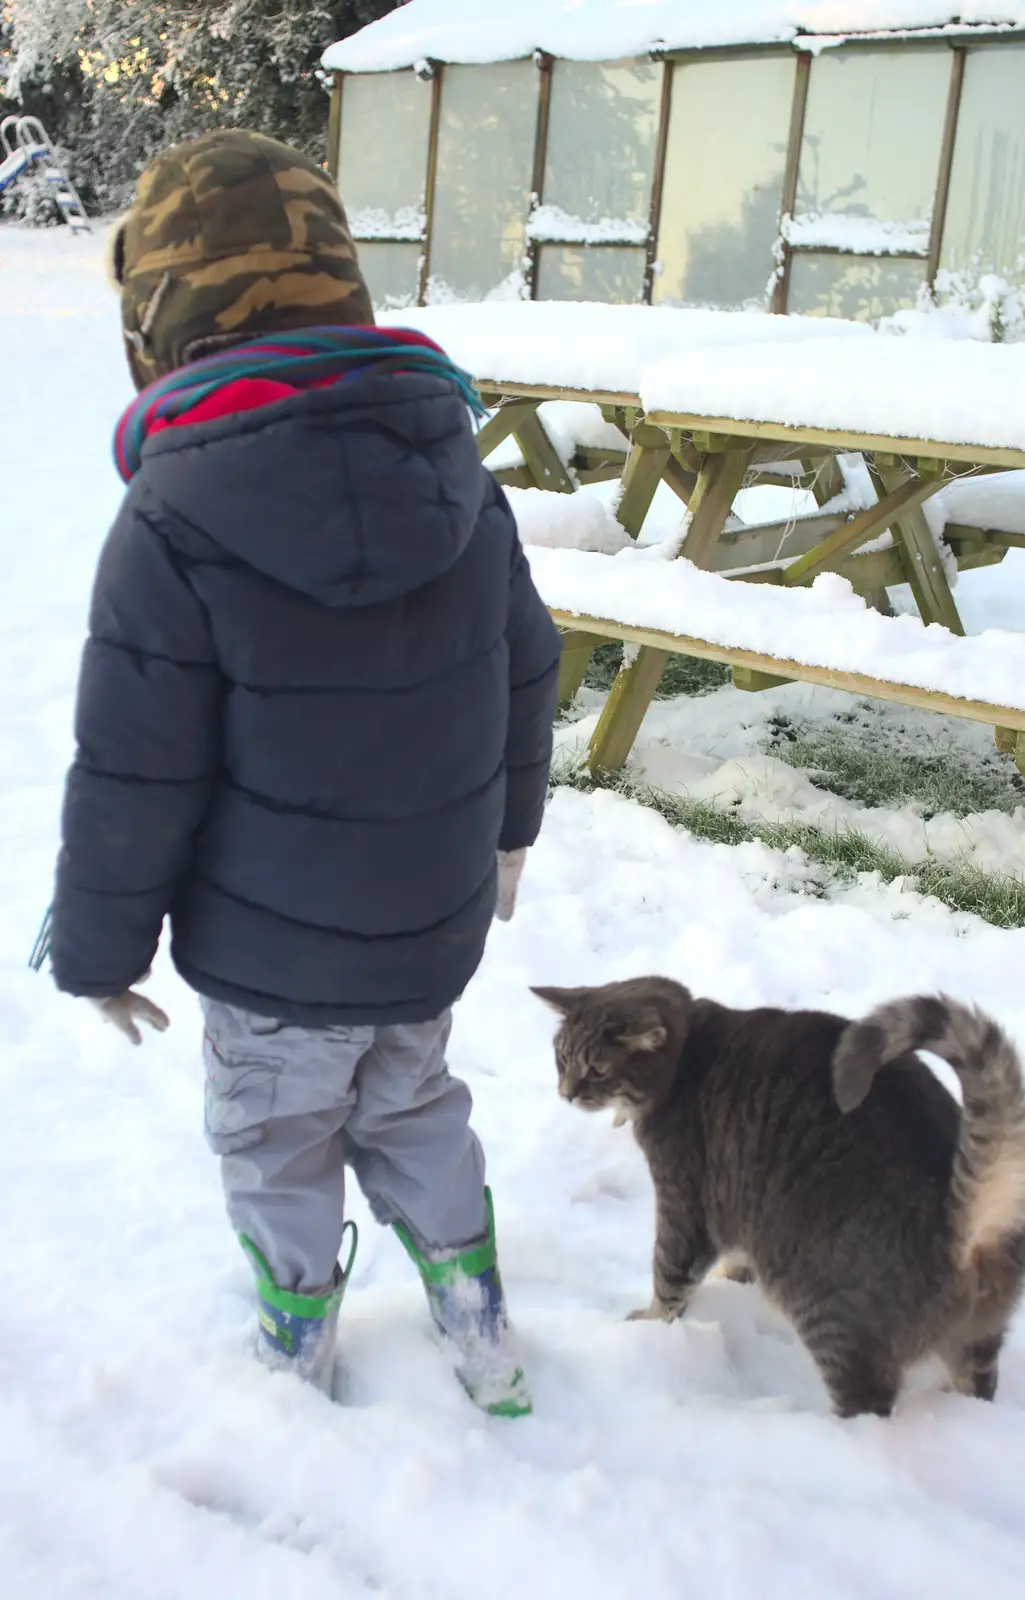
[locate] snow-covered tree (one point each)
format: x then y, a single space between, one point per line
117 80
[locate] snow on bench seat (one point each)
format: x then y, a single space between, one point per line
825 626
599 348
995 503
566 521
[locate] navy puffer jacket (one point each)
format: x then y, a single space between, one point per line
316 696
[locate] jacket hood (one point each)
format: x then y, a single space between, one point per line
354 495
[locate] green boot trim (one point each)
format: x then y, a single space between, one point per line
315 1306
513 1399
499 1396
515 1405
468 1264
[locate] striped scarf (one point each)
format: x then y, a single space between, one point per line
302 358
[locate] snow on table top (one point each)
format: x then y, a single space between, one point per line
953 391
835 375
597 347
826 625
602 30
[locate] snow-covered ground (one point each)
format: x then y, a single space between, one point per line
146 1457
718 749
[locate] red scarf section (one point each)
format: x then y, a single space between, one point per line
245 394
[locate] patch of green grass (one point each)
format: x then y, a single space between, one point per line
603 666
691 675
842 853
858 762
683 674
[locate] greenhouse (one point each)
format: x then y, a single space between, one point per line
832 158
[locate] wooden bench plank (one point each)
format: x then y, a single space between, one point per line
828 677
491 390
829 440
840 440
757 544
957 531
834 440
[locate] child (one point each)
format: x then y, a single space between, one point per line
315 701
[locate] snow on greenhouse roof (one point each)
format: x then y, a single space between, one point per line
604 30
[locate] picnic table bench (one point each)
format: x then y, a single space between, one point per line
706 461
729 406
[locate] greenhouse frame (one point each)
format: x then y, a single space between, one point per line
835 176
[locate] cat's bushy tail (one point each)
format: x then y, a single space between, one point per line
987 1191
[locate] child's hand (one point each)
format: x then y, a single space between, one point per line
128 1009
510 865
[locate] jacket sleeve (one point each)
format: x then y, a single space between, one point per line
534 650
147 728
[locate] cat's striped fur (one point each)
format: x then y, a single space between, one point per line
886 1222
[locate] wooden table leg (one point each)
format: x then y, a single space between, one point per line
680 480
826 484
719 482
498 427
717 485
621 718
542 458
649 452
913 538
1011 743
637 679
828 481
577 649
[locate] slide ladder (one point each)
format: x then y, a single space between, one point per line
25 147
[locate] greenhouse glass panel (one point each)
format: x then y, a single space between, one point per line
602 132
382 169
726 154
392 273
985 226
862 289
871 148
482 189
613 274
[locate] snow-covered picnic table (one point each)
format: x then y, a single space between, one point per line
709 401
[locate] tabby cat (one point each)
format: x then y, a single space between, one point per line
883 1220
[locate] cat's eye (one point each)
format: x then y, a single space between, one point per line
601 1069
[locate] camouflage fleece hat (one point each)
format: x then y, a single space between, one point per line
231 236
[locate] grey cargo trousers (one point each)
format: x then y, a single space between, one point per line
288 1108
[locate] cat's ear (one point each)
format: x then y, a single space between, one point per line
561 1000
643 1030
650 1039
